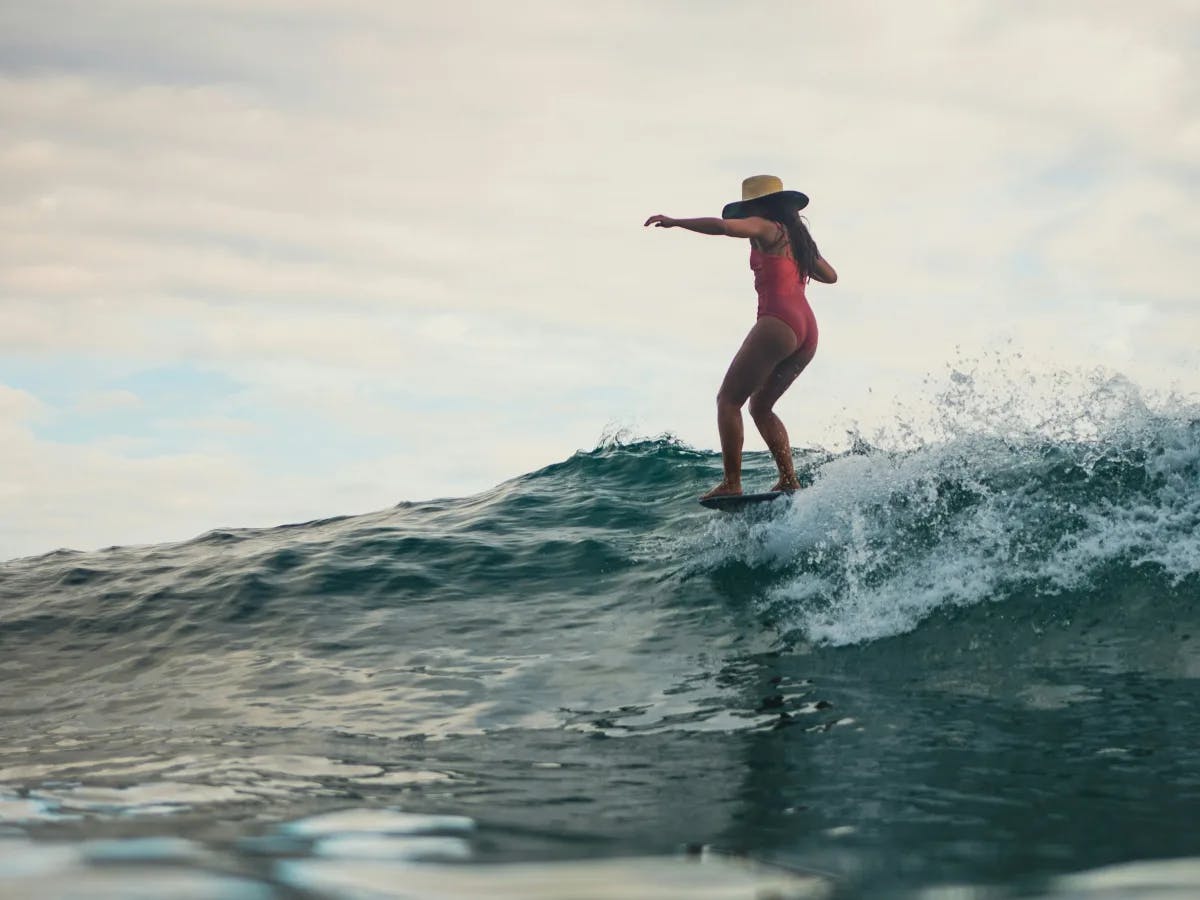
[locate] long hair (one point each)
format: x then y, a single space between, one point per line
804 248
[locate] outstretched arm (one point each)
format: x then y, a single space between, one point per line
752 227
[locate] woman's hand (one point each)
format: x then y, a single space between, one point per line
662 221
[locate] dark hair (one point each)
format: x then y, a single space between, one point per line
804 248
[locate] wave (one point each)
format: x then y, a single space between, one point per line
1005 504
1091 497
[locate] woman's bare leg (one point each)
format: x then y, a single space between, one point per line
770 426
769 342
733 435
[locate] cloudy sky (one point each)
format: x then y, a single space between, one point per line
270 260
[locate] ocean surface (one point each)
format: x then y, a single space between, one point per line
958 665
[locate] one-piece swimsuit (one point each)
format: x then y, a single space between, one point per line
780 291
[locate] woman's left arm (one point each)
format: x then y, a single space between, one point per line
823 271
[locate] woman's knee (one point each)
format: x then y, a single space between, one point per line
761 407
729 399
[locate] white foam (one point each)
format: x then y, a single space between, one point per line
1017 492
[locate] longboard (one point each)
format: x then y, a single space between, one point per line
732 502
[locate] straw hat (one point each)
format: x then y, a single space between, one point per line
762 187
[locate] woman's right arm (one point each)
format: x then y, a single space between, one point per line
823 272
750 227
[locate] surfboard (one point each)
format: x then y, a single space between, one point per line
733 502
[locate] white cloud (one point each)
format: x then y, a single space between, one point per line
17 406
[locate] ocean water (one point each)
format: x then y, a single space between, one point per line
957 665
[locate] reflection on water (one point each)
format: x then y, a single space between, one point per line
837 779
357 853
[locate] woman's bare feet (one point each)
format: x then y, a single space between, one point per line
724 489
787 485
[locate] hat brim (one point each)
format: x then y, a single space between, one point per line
740 209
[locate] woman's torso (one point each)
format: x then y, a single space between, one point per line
780 287
777 279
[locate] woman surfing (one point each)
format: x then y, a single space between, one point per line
784 339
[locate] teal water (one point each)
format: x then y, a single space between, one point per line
963 666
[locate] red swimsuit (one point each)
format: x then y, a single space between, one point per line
781 295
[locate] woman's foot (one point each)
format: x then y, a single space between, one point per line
787 485
724 489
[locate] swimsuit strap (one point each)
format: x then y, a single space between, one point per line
785 237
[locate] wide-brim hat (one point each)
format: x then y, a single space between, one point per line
760 189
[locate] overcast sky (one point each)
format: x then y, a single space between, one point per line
269 260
